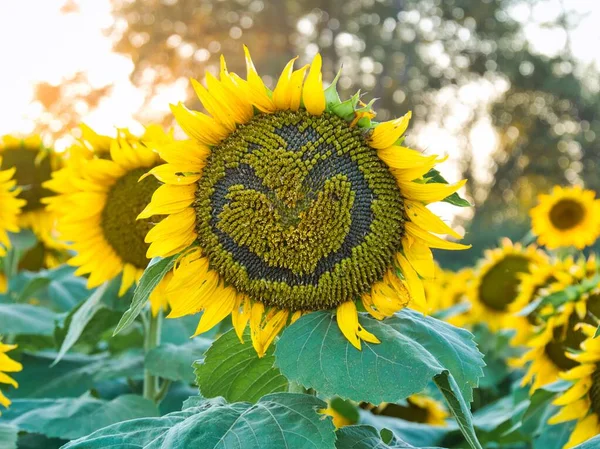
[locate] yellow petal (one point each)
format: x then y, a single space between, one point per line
221 306
199 126
420 257
401 157
313 94
387 133
583 431
576 410
425 219
414 283
169 199
241 315
429 193
347 319
574 393
431 240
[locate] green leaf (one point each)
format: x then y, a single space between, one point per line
174 362
554 436
8 436
234 371
33 287
74 375
458 407
281 420
366 437
593 443
157 269
78 320
414 348
69 418
435 176
25 319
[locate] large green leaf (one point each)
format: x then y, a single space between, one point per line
156 270
458 407
414 348
174 362
78 320
74 375
69 418
234 371
555 436
281 420
8 436
25 319
366 437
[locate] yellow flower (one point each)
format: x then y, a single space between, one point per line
418 408
581 402
10 207
569 216
496 284
448 289
33 164
99 194
7 365
281 207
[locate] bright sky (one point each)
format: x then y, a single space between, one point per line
39 43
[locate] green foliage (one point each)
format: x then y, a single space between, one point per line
366 437
234 371
276 421
26 319
174 362
414 348
157 269
8 436
70 418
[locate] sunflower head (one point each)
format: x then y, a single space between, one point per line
417 408
292 201
497 280
99 195
582 401
569 216
10 206
7 365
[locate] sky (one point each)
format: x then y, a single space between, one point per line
53 46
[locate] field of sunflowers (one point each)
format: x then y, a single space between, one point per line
268 282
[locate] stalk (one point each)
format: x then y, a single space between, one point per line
151 341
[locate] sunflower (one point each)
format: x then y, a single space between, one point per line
339 420
417 408
496 284
538 280
569 216
7 365
33 164
293 201
10 207
581 402
547 351
98 197
446 290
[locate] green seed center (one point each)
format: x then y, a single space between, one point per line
499 286
30 175
125 200
298 212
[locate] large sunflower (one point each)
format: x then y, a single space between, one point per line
569 216
7 365
10 207
496 284
33 164
292 201
582 401
99 195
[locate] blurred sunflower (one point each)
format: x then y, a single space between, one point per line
10 206
417 408
548 350
569 216
541 276
7 365
33 164
496 284
292 201
448 289
582 401
98 197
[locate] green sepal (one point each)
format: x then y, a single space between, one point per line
346 109
434 176
332 98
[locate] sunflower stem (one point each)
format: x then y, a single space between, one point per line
151 341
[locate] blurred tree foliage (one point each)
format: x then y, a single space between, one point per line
411 54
